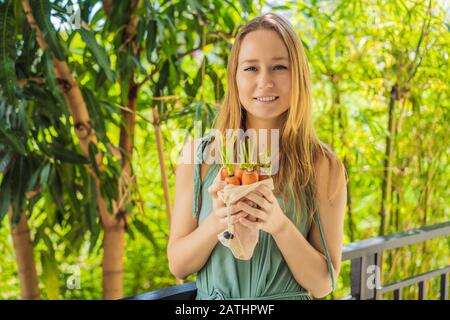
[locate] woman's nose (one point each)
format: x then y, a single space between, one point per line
265 81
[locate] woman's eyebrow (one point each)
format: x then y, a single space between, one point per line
256 60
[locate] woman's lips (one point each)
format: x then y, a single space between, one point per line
266 102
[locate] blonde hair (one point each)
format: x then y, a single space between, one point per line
296 165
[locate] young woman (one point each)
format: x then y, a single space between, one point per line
298 255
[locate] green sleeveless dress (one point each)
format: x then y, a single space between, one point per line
266 276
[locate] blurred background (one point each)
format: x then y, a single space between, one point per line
98 97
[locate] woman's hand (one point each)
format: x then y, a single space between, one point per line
270 217
219 214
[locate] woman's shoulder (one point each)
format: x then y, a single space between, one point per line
330 172
190 151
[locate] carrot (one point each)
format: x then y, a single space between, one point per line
226 158
263 177
250 177
223 173
238 172
233 180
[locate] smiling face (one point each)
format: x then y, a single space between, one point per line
263 75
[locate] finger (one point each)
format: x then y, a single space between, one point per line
218 203
254 212
240 215
249 224
215 187
260 201
223 212
249 202
267 193
234 219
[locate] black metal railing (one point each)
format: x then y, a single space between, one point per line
365 262
365 259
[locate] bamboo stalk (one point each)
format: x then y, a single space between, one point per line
114 246
23 249
85 133
162 166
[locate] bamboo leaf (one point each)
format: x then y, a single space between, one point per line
98 52
33 179
67 155
7 51
94 238
5 158
246 5
138 64
97 118
125 66
229 22
140 31
41 13
92 153
119 14
163 77
51 80
4 196
56 190
151 38
43 178
14 138
92 204
191 89
50 274
19 174
100 79
145 231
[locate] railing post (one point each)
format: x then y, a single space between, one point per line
355 278
398 294
365 277
444 289
422 292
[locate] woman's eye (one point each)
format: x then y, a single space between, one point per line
280 67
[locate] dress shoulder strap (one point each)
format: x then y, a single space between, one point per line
325 248
199 151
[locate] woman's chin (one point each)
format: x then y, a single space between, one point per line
266 115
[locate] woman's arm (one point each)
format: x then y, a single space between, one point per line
189 245
306 258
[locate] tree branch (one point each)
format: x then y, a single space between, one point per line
107 7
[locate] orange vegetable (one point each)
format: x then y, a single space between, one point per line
223 173
249 177
233 180
263 177
238 172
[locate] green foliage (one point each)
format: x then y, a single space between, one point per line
97 51
7 51
41 13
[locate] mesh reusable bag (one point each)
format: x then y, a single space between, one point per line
238 238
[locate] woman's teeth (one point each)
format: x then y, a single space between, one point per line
266 99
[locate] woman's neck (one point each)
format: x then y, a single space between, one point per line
257 124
